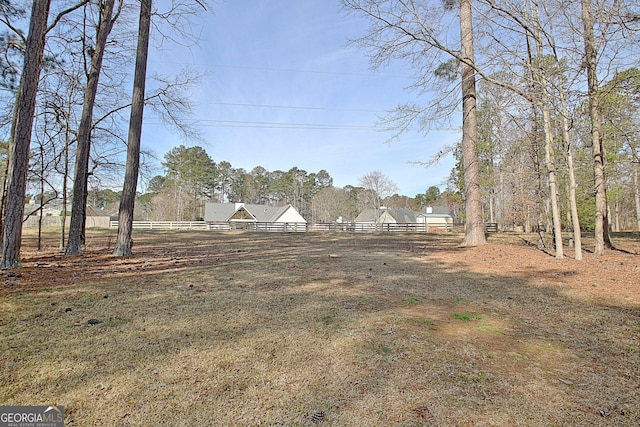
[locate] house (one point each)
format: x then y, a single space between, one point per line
388 219
253 217
387 216
96 217
52 216
436 217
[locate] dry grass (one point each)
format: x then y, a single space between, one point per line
249 329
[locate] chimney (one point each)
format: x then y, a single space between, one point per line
429 209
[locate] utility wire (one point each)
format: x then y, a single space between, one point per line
274 125
292 107
287 70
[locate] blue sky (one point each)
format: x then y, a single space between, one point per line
284 89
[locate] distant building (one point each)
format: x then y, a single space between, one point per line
243 216
51 215
436 217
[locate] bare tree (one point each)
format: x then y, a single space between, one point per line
591 62
568 152
377 187
329 204
541 94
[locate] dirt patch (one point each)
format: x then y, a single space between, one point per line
340 329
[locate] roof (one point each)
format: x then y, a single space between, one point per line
91 211
402 215
439 210
223 212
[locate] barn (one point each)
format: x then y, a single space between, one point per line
243 216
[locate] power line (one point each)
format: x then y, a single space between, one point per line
293 107
276 125
281 125
287 70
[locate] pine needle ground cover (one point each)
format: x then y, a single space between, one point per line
242 329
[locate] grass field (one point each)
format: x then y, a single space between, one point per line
243 329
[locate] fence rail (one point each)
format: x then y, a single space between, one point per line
282 227
386 227
202 225
166 225
263 226
492 227
288 227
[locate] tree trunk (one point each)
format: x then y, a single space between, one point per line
573 205
540 98
474 232
591 58
127 201
21 139
40 219
551 171
5 180
65 195
79 199
573 217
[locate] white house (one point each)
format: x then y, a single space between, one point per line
431 218
253 217
436 217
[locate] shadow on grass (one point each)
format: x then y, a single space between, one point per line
253 328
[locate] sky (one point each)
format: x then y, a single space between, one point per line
283 88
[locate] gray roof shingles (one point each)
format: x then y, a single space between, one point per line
402 215
221 212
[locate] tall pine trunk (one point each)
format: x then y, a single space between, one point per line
127 201
474 232
79 198
21 139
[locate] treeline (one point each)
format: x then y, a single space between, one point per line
514 168
192 178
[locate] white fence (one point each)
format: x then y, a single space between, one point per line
202 225
386 227
56 221
251 226
166 225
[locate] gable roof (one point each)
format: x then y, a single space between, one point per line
402 215
224 212
218 212
264 213
91 211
